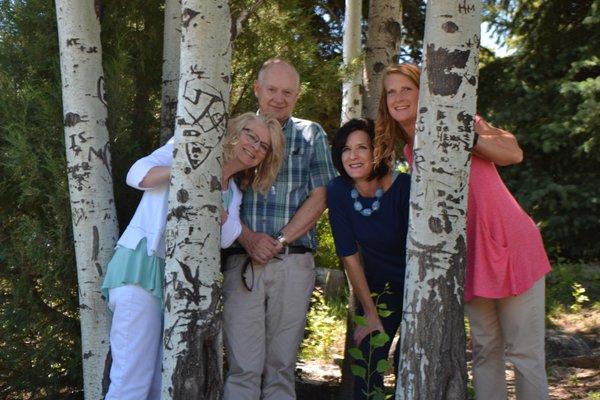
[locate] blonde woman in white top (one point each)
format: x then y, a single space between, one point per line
253 152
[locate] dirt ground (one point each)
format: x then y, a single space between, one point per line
565 380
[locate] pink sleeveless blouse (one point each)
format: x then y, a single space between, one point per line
505 252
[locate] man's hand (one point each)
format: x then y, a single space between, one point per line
260 246
373 325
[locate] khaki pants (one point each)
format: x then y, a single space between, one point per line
263 327
510 328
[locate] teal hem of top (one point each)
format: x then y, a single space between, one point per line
135 267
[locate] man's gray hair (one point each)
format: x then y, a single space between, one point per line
271 62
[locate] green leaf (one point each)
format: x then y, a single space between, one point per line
382 306
359 320
359 371
382 366
378 396
384 313
356 353
379 340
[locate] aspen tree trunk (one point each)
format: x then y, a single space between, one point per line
383 47
351 108
346 388
95 229
192 361
351 89
432 360
170 68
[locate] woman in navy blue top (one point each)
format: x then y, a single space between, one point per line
368 211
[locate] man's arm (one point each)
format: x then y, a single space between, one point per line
496 145
307 215
263 247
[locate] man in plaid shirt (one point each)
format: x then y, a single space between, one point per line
269 280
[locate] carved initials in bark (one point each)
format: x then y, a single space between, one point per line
215 109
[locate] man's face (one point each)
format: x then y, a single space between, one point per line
277 92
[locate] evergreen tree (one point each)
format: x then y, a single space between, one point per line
548 93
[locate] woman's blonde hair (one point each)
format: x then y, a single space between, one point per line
261 177
388 132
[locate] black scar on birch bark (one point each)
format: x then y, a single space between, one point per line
103 154
378 67
428 256
72 119
187 16
100 90
79 173
449 27
393 28
106 374
216 109
180 213
215 183
450 346
183 196
196 374
196 154
440 62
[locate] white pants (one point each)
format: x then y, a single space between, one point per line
263 327
135 343
511 328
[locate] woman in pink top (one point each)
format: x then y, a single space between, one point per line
506 260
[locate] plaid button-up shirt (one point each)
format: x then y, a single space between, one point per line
306 165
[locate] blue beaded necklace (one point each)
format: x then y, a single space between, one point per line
366 212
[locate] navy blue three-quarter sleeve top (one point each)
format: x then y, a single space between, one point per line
381 237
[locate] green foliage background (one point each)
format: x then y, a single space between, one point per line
547 92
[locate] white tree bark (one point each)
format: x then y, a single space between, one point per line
433 361
192 362
170 68
351 89
93 211
384 35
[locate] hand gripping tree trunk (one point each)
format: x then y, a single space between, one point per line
383 47
432 360
93 211
351 90
170 68
192 361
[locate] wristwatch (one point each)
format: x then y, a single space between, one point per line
280 238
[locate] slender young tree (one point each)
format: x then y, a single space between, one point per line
192 361
351 108
383 47
432 360
93 211
351 90
170 68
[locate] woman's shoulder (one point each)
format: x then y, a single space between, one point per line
401 180
338 183
336 189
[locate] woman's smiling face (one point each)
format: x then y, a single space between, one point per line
254 143
357 155
402 97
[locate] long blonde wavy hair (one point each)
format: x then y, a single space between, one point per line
261 177
388 132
